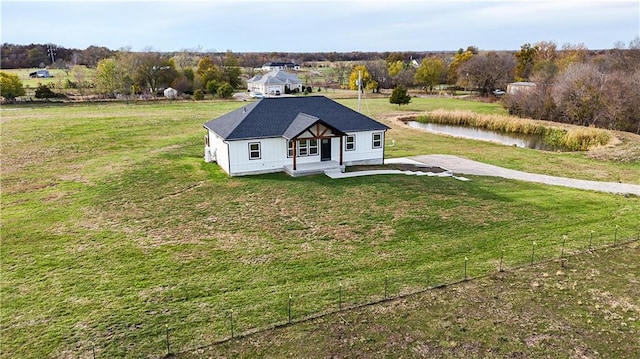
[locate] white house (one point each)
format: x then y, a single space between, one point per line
298 135
269 66
170 93
274 81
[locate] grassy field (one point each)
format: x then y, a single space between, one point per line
586 309
113 227
59 78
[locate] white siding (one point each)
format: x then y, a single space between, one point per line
273 156
221 150
364 152
233 156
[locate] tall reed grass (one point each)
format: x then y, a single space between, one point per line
572 138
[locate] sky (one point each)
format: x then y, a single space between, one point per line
319 26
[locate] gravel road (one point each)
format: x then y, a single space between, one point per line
459 165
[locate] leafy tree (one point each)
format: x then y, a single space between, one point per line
525 59
212 87
11 86
154 71
207 71
395 67
232 70
109 78
430 72
225 90
459 59
367 80
189 74
400 96
395 58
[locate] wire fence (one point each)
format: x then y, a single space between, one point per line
244 319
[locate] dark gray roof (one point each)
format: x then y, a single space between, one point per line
286 117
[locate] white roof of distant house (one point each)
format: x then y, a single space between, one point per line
276 77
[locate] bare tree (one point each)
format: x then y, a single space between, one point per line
405 77
621 102
379 72
342 70
578 94
487 72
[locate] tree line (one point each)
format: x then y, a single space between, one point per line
569 85
572 83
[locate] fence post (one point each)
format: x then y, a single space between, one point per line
590 239
93 349
564 238
465 268
166 327
501 258
386 280
615 235
533 251
289 308
340 297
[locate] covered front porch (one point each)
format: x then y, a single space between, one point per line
312 168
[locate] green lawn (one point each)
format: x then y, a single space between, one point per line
113 227
588 308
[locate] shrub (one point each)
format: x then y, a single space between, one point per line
44 91
10 86
225 90
212 87
198 95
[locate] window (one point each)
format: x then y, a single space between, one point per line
313 147
304 148
350 143
377 140
254 150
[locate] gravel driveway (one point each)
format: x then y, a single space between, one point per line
460 165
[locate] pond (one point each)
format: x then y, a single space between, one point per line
474 133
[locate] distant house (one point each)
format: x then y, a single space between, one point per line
276 81
270 66
297 135
170 93
40 74
516 87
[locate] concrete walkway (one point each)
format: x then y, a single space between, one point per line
460 165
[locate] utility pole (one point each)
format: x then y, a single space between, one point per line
359 88
51 51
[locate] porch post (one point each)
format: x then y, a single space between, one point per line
341 150
294 154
